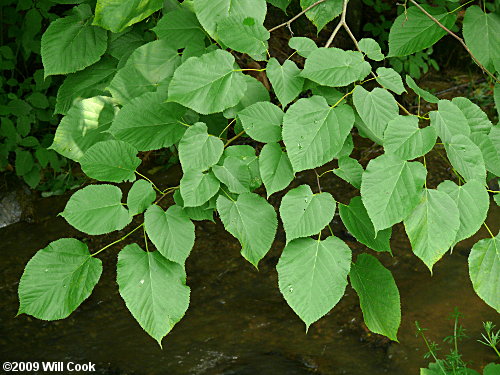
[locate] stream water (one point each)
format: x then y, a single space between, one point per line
238 323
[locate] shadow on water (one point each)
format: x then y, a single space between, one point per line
238 323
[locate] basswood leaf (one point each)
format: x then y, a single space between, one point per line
466 158
84 84
235 174
140 197
378 295
262 121
391 189
180 27
404 138
312 276
358 223
148 67
349 170
426 95
211 12
282 4
286 80
153 288
482 35
58 279
323 13
70 43
147 123
170 231
478 120
252 221
332 95
97 209
371 48
122 45
376 108
246 154
484 270
117 15
197 187
200 213
275 168
303 46
335 67
314 132
448 121
431 236
208 84
491 154
113 161
413 31
390 79
255 92
198 150
244 34
472 201
304 213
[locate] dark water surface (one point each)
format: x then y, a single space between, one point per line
238 322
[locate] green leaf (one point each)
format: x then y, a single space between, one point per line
482 35
491 369
180 28
376 108
286 80
198 150
148 123
304 213
282 4
390 79
484 270
262 121
431 236
491 154
235 174
70 44
211 12
477 119
448 121
349 170
255 92
332 95
391 189
117 15
314 132
466 158
58 279
275 168
323 13
358 223
113 161
84 125
170 231
123 44
413 31
371 48
200 213
252 221
197 187
426 95
312 276
153 288
335 67
24 162
244 34
378 295
38 100
303 46
208 84
404 138
84 84
148 67
97 209
140 197
472 201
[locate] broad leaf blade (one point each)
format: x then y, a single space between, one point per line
140 197
262 121
466 158
198 150
322 13
197 187
448 121
275 168
286 80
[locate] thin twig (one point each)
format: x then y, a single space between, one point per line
234 138
287 23
341 23
456 37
